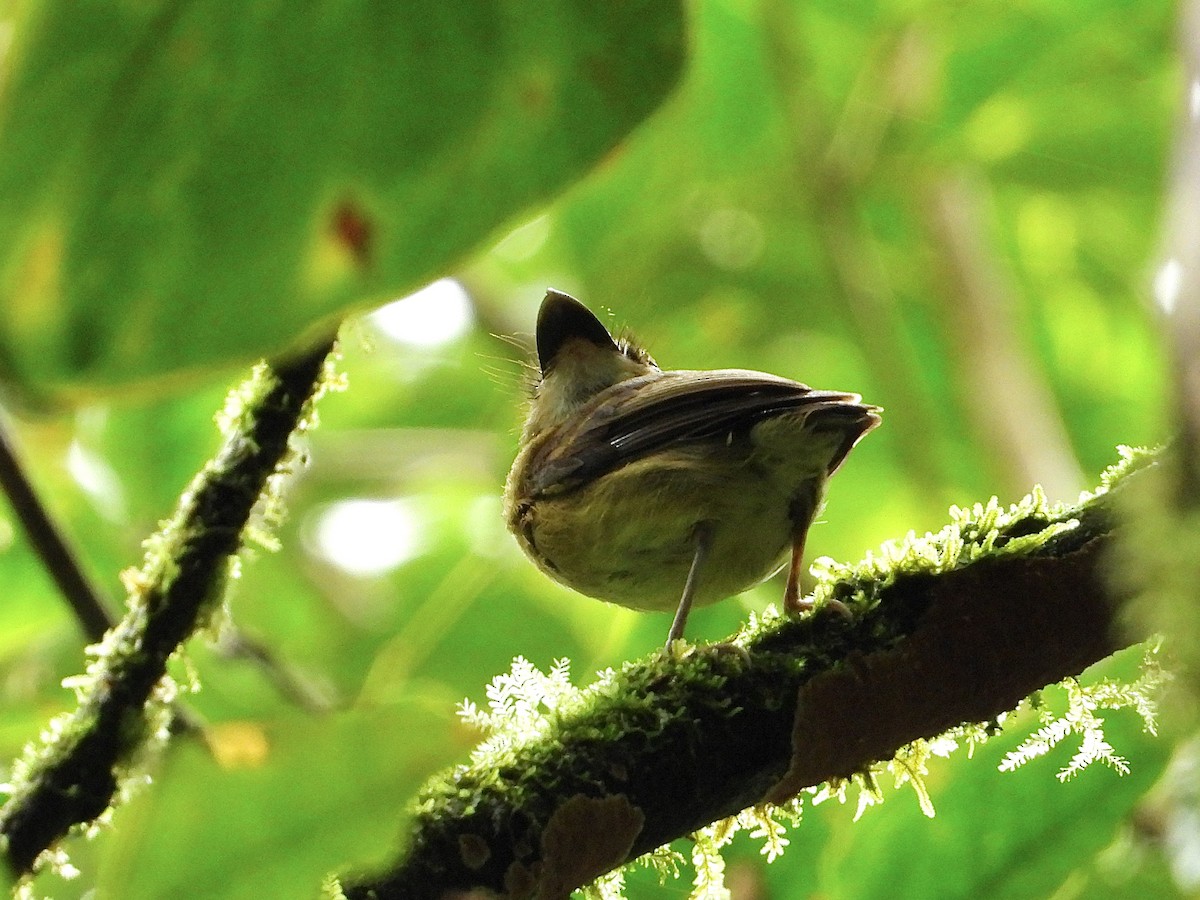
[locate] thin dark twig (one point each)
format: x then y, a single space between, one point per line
50 544
293 687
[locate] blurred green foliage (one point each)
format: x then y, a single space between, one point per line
950 208
181 186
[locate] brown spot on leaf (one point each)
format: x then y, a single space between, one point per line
536 91
599 71
353 230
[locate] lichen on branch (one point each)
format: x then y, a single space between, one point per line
73 775
945 631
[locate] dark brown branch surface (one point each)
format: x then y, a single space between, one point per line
678 744
74 778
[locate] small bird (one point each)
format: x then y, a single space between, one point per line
662 490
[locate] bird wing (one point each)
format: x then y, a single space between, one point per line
677 408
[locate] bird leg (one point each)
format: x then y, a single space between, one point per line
793 603
703 535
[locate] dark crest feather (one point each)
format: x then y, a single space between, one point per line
562 318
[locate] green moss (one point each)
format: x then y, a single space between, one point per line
544 733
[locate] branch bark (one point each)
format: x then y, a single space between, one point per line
673 745
74 777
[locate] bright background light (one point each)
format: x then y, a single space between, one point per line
435 315
92 473
366 537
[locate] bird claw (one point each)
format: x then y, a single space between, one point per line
840 608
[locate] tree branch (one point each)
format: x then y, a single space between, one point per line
73 778
957 630
1177 285
1006 397
49 543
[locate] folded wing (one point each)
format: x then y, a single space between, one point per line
676 408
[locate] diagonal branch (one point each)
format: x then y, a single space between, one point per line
958 631
74 777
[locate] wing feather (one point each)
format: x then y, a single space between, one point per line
677 408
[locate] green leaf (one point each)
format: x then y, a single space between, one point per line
189 184
294 800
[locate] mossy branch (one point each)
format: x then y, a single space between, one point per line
74 775
949 629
